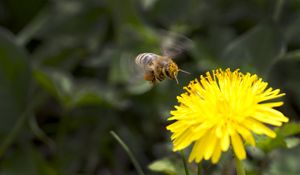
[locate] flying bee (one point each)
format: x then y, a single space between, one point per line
157 68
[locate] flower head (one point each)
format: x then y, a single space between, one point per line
222 109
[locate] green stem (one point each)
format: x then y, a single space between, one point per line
13 134
184 163
20 124
239 167
128 151
199 168
277 10
33 27
39 133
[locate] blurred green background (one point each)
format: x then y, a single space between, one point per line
65 80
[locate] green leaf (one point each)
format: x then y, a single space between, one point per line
268 144
15 76
87 94
285 162
42 166
165 166
180 10
285 75
27 161
169 166
57 83
18 13
289 129
73 94
254 50
292 142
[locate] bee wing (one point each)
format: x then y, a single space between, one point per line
174 44
135 80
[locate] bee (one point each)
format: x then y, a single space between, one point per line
157 68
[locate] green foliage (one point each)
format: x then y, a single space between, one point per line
281 141
67 77
72 94
285 162
255 50
165 166
168 166
15 77
285 73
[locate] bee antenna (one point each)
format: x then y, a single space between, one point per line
176 78
184 71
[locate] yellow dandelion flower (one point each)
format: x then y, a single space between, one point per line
222 109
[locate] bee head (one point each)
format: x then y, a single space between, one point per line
173 70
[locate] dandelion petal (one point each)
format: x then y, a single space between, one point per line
222 110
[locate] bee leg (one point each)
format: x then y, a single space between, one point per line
153 81
149 76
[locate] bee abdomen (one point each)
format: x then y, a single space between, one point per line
144 59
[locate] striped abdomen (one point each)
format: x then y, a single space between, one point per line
145 59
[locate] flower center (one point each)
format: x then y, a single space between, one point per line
229 111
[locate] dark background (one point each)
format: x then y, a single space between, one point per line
66 80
